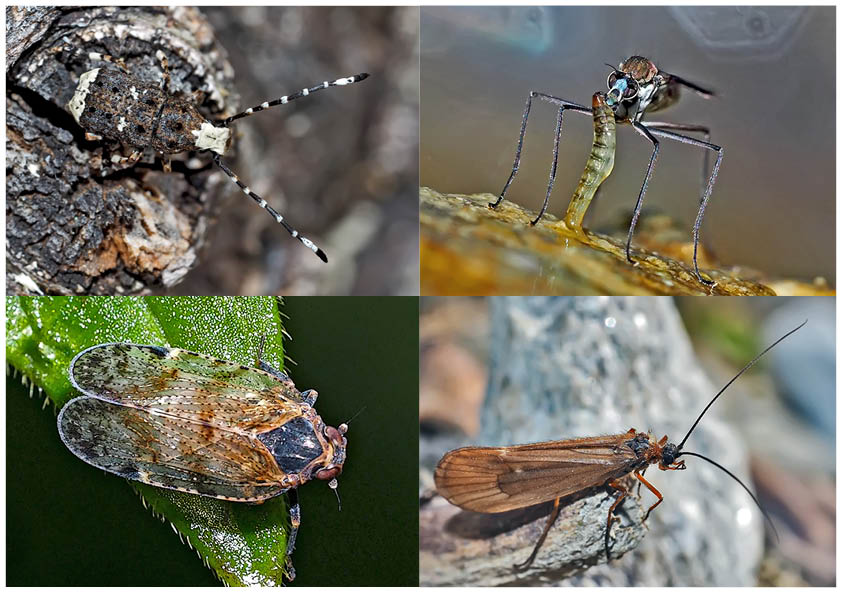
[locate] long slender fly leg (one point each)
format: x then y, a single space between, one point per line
704 130
553 516
553 167
643 131
708 189
563 105
652 489
622 494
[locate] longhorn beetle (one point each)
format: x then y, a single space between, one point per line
117 105
498 479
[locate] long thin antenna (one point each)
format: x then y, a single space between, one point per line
737 479
730 382
297 95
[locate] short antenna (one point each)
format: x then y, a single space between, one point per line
334 485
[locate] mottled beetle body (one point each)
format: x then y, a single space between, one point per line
117 105
189 422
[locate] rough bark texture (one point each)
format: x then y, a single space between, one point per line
573 367
76 223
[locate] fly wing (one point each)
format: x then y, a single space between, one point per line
169 452
706 93
510 477
187 385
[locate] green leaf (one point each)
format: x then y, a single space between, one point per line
244 544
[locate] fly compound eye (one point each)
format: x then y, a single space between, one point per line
612 78
631 89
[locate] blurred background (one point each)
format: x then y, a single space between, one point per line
783 411
772 68
341 165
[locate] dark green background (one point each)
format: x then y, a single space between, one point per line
71 524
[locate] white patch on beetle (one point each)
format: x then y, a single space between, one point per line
77 105
212 137
133 91
121 124
27 282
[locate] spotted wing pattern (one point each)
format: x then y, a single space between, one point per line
186 385
169 452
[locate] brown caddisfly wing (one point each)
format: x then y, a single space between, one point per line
511 477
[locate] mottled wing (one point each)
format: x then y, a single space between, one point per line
184 384
169 452
510 477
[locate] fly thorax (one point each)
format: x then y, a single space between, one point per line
646 94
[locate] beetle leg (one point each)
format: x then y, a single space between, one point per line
126 161
550 520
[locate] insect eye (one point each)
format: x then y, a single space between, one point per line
612 78
631 90
333 434
140 129
331 473
178 126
